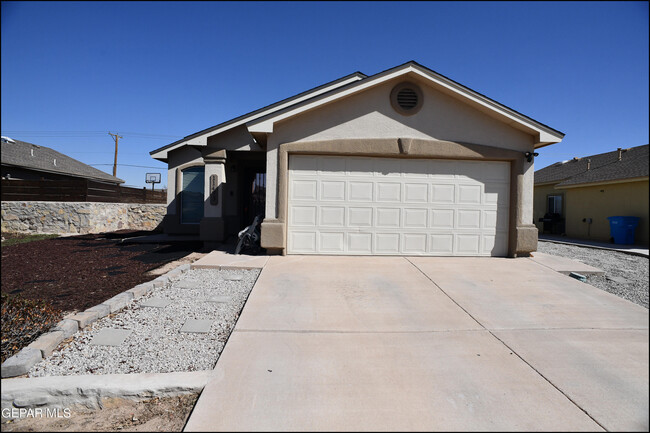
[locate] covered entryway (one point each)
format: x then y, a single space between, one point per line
353 205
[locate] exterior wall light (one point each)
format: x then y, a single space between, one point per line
530 155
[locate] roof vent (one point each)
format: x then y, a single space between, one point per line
406 98
55 162
588 164
620 153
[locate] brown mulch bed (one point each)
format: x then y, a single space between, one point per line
78 272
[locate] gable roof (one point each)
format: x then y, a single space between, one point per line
199 137
603 168
545 134
40 158
262 120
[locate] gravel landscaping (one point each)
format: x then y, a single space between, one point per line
626 275
156 343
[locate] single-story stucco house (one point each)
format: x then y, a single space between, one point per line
583 192
403 162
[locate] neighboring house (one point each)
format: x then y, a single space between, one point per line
585 191
27 161
404 162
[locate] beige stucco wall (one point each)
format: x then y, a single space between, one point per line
369 114
600 202
539 203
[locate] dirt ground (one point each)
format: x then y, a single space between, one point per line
152 415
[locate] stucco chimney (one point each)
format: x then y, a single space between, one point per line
620 153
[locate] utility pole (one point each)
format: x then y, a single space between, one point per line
117 137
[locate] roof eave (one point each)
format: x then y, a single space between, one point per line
200 138
65 173
604 182
544 135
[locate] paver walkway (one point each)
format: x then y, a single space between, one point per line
394 343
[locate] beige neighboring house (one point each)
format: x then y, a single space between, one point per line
404 162
585 191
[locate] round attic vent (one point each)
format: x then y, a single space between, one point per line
406 98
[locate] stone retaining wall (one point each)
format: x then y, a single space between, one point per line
79 217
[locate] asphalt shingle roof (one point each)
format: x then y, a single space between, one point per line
19 153
604 167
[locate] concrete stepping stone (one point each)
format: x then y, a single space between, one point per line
156 303
197 326
110 337
219 299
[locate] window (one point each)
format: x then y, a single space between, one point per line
192 195
554 204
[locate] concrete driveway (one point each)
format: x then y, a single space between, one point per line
393 343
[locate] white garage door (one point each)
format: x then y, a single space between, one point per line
390 206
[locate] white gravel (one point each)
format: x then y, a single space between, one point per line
626 275
155 344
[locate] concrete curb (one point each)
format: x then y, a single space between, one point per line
597 247
90 390
47 342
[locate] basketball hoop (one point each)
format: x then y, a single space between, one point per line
152 178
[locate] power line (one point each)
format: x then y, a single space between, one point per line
83 133
130 165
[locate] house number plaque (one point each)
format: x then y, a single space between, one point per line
214 194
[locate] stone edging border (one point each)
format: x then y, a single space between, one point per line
44 345
90 390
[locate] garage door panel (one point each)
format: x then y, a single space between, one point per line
331 242
384 167
303 216
367 205
416 168
304 190
360 243
302 242
304 164
360 216
416 192
360 191
387 243
443 193
469 194
468 219
331 216
467 244
414 243
389 192
388 217
441 244
332 190
331 166
359 166
415 218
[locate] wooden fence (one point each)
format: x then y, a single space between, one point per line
77 190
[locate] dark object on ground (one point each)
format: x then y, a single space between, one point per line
23 321
249 238
78 272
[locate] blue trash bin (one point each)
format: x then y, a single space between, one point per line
621 228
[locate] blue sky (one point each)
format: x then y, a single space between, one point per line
157 71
